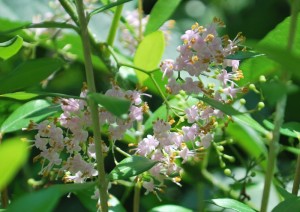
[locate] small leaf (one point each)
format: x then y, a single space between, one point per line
242 55
160 13
232 204
131 166
288 129
46 199
115 105
11 47
29 73
149 53
13 154
107 6
164 208
284 193
20 95
35 110
291 204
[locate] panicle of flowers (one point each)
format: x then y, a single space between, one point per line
129 34
166 148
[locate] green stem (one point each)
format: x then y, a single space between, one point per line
4 193
114 26
136 198
279 116
297 176
102 180
141 12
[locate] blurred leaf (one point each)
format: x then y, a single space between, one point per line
284 193
13 154
46 199
253 68
164 208
115 105
248 139
85 198
107 6
29 73
160 13
35 110
232 204
131 166
286 128
20 95
242 55
11 47
291 204
229 110
291 149
149 53
114 205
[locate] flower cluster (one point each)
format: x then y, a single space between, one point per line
69 134
129 34
202 58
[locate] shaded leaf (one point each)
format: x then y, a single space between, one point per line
242 55
35 110
290 204
13 154
46 199
286 129
284 193
115 105
232 204
107 6
131 166
160 13
148 54
29 73
11 47
164 208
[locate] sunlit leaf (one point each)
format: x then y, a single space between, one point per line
35 110
131 166
287 129
232 204
160 13
115 105
149 53
46 199
13 154
20 95
107 6
164 208
29 73
11 47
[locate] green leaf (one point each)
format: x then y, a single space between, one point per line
148 54
291 204
29 73
115 105
46 199
114 205
35 110
287 129
164 208
11 47
20 95
131 166
284 193
232 204
242 55
13 154
229 110
107 6
160 13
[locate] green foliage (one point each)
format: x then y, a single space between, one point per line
160 13
164 208
131 166
290 204
232 204
13 154
11 47
107 6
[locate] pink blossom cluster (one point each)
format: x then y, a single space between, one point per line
202 57
130 34
69 134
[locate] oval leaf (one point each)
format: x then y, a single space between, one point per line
20 95
45 200
116 106
160 13
13 154
35 110
11 47
164 208
29 73
232 204
149 53
291 204
131 166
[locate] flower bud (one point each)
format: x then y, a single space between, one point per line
252 174
242 101
220 148
262 78
260 105
227 172
253 88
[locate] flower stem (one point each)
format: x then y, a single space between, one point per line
297 176
141 12
102 180
279 115
4 193
114 26
136 198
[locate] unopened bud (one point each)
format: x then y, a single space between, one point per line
260 105
262 78
253 88
252 174
220 148
242 101
227 172
222 164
